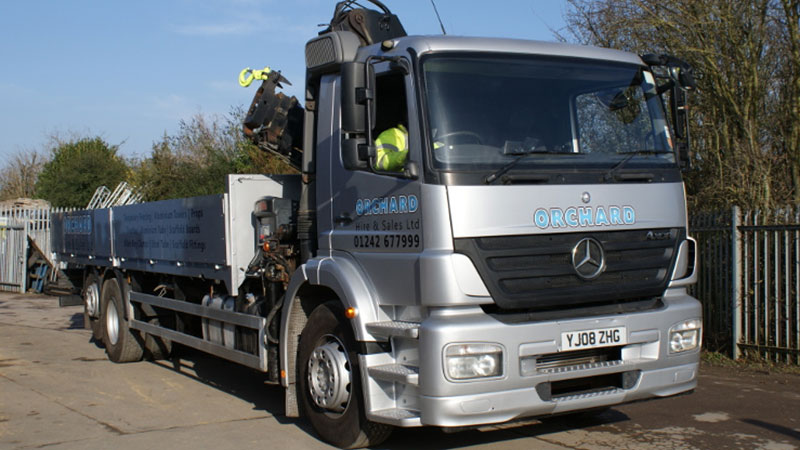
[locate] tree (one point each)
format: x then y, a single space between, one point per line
18 177
196 160
77 168
746 121
790 113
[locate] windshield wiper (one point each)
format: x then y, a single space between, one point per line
612 174
523 148
501 171
489 179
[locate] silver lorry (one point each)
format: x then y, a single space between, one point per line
530 259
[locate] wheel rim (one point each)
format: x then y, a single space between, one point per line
92 300
329 375
112 322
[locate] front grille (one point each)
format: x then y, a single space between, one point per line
535 272
553 361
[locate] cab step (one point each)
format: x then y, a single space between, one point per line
398 417
391 329
398 373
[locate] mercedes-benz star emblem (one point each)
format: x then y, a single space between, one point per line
588 258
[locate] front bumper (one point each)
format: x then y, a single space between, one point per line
645 364
496 407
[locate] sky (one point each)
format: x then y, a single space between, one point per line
130 71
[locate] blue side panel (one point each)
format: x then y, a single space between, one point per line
82 236
186 230
181 237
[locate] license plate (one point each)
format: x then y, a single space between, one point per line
601 337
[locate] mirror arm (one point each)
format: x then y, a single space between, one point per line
411 170
401 64
665 87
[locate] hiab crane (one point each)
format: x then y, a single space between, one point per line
530 258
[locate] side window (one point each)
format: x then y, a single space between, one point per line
384 149
390 130
390 102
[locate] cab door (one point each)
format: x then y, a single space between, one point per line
376 217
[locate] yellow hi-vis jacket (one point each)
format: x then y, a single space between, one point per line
392 149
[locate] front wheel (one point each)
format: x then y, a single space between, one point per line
329 383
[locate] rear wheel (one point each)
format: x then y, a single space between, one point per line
91 305
122 345
329 381
155 347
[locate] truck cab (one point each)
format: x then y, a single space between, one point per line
532 256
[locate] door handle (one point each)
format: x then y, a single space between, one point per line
343 219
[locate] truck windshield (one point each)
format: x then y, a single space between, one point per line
559 113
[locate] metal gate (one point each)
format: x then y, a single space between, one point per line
20 225
714 286
13 255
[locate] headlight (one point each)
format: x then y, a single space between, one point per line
467 361
685 336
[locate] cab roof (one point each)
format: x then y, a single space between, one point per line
432 44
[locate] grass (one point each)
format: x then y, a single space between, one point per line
750 361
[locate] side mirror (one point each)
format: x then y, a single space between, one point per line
680 116
679 106
686 80
684 156
683 77
680 81
358 97
354 109
358 109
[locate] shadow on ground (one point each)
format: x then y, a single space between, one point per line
794 434
424 438
250 386
76 322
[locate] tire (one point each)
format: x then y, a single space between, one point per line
91 305
329 381
155 347
121 344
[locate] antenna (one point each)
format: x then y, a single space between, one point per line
439 18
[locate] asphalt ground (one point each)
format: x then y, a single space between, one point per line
58 391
